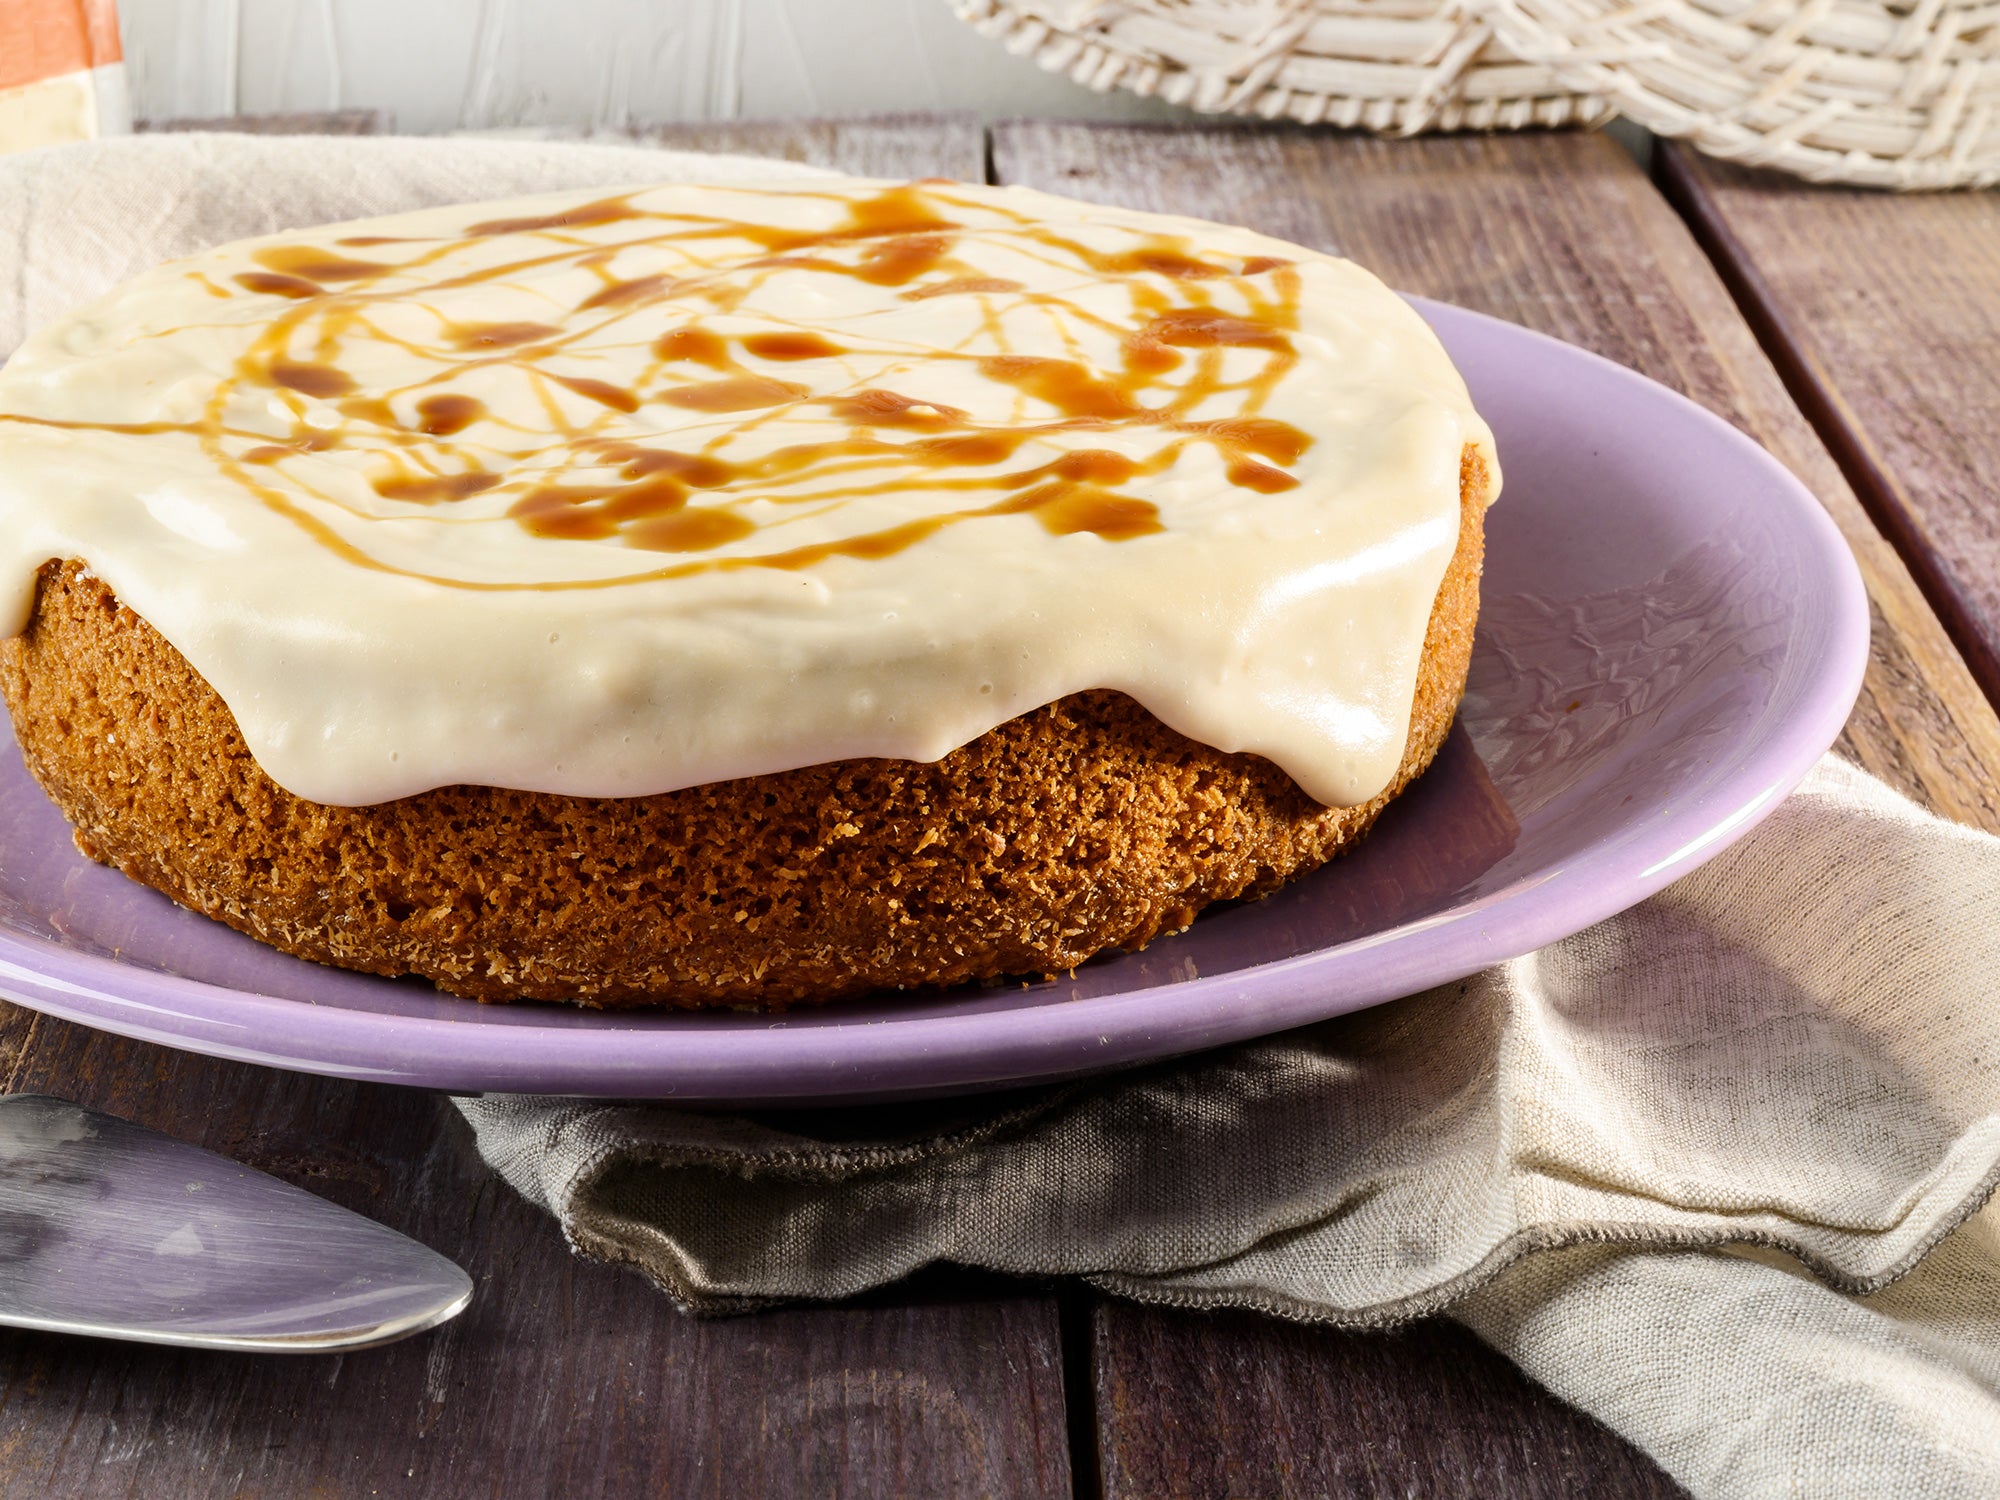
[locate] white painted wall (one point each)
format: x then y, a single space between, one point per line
486 64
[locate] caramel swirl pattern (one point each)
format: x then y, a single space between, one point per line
612 492
673 302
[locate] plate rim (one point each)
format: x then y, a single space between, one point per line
982 1050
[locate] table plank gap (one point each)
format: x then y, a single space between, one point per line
910 145
1841 286
1077 1308
307 122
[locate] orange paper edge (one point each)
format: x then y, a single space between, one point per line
48 38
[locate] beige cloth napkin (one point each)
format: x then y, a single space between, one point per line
1679 1167
1669 1165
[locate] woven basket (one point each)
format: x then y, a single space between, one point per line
1890 93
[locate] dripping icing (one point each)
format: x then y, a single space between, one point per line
626 383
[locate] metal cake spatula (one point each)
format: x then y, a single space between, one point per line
111 1229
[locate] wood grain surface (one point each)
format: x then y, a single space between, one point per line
324 122
1232 1404
563 1378
1562 233
1883 314
880 146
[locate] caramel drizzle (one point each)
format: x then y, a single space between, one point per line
662 500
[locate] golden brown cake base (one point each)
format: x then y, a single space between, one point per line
1080 827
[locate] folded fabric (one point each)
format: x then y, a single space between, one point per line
1669 1165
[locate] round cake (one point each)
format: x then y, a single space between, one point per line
734 594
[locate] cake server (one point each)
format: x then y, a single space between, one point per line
111 1229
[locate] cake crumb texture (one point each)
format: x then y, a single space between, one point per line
1083 826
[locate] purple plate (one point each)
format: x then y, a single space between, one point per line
1672 632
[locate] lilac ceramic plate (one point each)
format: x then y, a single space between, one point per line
1672 633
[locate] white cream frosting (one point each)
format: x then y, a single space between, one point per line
325 466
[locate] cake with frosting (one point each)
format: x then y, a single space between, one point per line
734 594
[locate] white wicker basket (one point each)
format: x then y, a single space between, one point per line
1892 93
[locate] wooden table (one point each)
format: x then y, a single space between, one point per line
1848 332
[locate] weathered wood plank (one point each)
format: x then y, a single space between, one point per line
876 146
1882 313
1564 234
879 146
318 122
1234 1404
564 1377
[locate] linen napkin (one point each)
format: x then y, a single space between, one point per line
1679 1167
1713 1169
